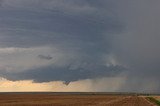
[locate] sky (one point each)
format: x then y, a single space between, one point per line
80 45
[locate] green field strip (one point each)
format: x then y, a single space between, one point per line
153 100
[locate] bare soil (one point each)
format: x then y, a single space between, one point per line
71 100
157 97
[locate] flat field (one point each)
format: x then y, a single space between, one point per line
8 99
157 97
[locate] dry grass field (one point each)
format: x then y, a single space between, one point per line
157 97
8 99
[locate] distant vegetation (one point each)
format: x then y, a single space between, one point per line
154 100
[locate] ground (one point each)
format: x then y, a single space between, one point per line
7 99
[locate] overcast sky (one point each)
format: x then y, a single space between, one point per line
99 45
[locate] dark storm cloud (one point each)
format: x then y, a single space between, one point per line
40 26
81 30
45 57
82 39
67 74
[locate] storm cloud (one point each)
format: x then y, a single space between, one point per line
59 40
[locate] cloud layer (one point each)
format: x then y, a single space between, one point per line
80 40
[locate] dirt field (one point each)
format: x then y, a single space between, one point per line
71 100
157 97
